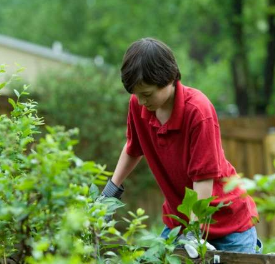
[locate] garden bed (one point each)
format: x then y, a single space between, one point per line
232 257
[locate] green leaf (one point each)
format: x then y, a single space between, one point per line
93 191
126 220
11 101
112 203
173 259
210 210
110 253
17 93
188 201
182 221
26 184
99 182
2 85
113 231
221 204
232 183
89 165
20 68
101 177
132 214
174 232
200 206
25 87
140 212
138 253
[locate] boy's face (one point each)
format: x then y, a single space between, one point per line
153 97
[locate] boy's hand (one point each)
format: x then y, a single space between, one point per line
191 244
110 190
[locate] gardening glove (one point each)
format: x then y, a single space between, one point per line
191 244
110 190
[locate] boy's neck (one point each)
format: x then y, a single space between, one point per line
169 104
163 113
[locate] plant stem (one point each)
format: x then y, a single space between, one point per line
97 245
207 228
5 260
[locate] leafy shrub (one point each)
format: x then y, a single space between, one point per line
262 187
94 100
48 212
91 99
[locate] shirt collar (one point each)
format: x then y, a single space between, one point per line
175 120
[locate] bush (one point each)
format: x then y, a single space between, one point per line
92 99
262 187
48 212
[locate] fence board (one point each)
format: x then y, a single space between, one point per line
246 142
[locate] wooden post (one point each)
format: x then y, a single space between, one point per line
269 146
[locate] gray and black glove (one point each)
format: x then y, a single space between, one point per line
109 191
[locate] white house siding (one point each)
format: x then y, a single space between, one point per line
36 59
33 64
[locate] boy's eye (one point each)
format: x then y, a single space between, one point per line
146 95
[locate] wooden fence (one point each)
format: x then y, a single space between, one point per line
249 144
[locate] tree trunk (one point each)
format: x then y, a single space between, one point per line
270 58
239 63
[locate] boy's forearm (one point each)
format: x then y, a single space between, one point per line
124 167
204 190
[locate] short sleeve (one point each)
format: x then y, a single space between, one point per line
205 145
133 145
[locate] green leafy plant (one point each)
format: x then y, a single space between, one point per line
203 212
161 250
262 187
92 99
48 207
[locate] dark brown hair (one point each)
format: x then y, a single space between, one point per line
148 61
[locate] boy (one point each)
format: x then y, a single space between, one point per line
176 128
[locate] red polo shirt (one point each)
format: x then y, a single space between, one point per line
185 149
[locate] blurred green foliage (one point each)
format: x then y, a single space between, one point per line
106 28
49 211
91 99
262 188
94 100
204 31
